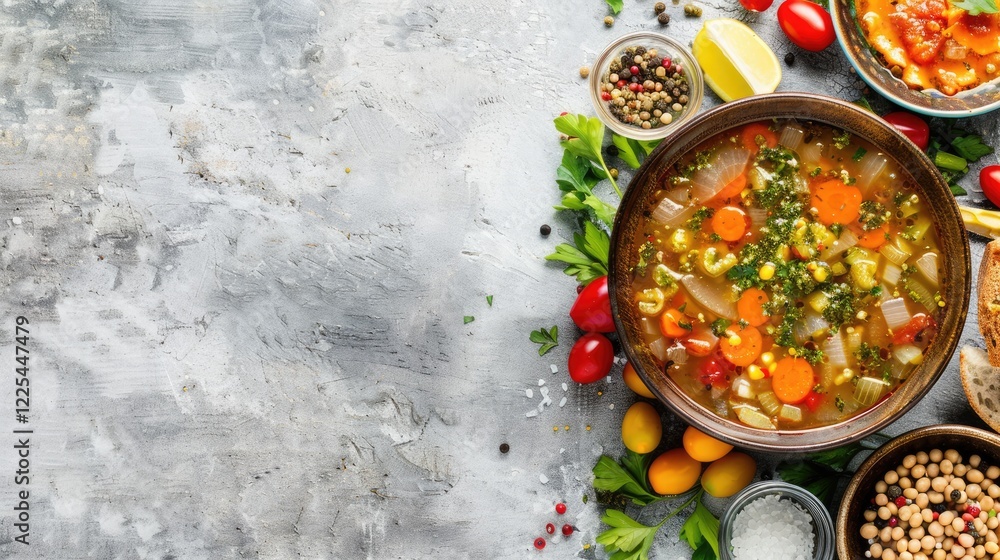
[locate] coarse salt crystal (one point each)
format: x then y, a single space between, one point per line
562 402
531 413
543 479
611 406
554 368
541 382
565 387
545 402
770 528
529 393
544 391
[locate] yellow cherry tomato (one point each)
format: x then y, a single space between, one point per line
674 472
703 447
641 428
729 475
634 382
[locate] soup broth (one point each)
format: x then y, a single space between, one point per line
787 275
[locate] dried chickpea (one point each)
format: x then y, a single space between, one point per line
993 472
888 554
918 471
910 493
991 547
905 482
876 550
881 487
909 461
902 471
916 533
973 491
935 529
922 458
958 483
947 466
927 543
953 456
891 477
870 515
936 455
946 517
986 503
897 535
975 476
960 469
933 470
881 500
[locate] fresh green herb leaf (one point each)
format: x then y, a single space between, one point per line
588 259
970 147
489 301
702 527
700 215
839 457
958 191
615 5
548 339
864 104
860 153
627 478
839 402
627 538
704 552
626 151
976 7
874 359
646 252
586 140
584 202
817 478
468 319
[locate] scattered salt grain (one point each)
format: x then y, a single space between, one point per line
562 402
529 393
531 413
554 368
770 528
565 387
611 406
544 391
543 479
541 382
16 220
545 402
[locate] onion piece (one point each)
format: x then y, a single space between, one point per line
791 137
717 297
891 274
894 253
872 166
835 352
811 154
927 264
895 312
659 348
726 166
680 195
677 354
672 214
920 293
908 353
811 324
758 216
846 240
743 388
953 50
869 390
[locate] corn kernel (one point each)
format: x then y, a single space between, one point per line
792 352
767 358
821 274
843 377
766 272
772 367
862 315
754 372
734 339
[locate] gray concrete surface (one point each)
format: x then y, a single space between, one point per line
239 349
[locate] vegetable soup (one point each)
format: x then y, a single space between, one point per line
787 275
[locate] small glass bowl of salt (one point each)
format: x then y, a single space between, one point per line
774 520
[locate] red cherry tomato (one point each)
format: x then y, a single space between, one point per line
806 24
912 126
590 358
757 5
989 180
909 332
592 309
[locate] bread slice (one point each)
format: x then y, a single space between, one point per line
981 382
989 300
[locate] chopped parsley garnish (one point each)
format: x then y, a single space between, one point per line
701 160
719 327
715 238
468 319
839 402
837 229
873 215
816 172
646 252
860 153
841 140
841 306
686 325
813 356
796 280
873 359
785 333
702 214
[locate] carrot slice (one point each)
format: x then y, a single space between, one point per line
836 202
750 306
875 238
730 223
734 188
670 324
792 380
746 349
750 133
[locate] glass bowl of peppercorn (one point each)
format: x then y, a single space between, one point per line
644 85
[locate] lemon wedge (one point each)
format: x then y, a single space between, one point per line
736 62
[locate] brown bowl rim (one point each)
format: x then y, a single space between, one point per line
796 105
967 435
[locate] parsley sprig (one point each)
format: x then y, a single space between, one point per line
548 339
586 140
976 7
627 478
587 258
627 539
633 152
576 177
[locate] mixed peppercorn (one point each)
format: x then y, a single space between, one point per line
644 89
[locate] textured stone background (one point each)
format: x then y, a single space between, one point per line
241 350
